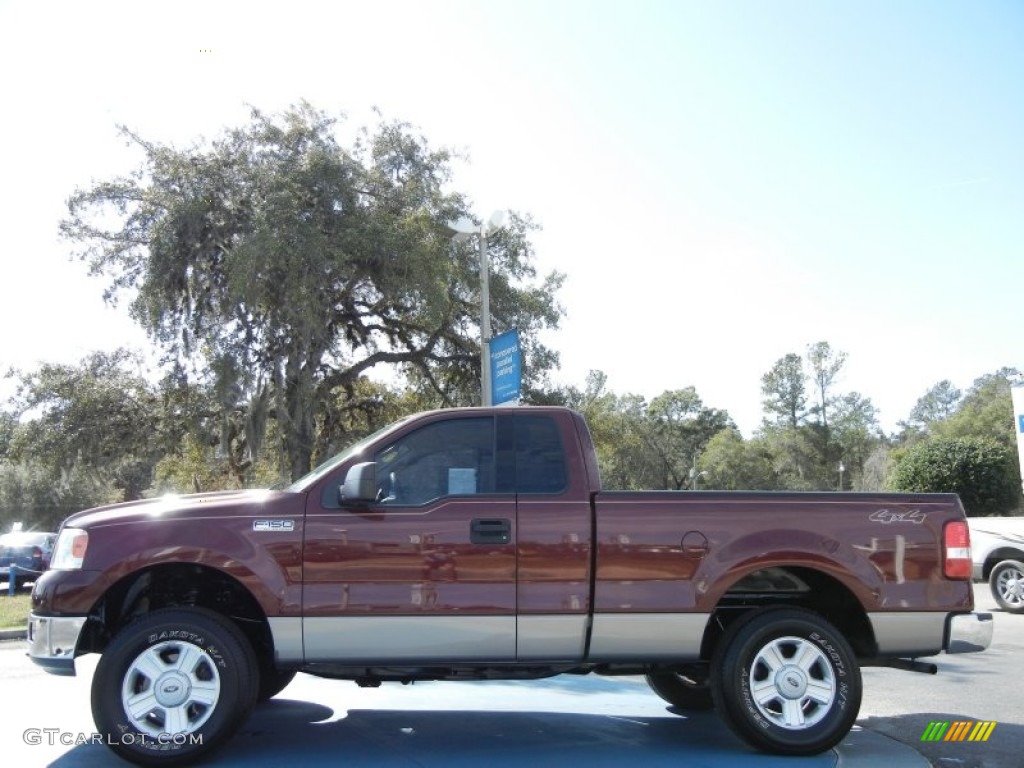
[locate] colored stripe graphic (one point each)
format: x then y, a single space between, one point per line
959 730
982 731
935 731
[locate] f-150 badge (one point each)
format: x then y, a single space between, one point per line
273 526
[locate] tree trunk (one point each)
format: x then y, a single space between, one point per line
299 406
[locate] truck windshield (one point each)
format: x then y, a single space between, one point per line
307 480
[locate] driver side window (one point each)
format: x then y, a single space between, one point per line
447 458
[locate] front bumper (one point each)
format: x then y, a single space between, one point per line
969 632
52 641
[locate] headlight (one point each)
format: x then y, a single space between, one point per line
69 551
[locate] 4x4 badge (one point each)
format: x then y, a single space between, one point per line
909 516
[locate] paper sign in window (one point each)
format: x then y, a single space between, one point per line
461 480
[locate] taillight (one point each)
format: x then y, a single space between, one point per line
37 553
956 550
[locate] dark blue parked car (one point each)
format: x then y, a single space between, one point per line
29 550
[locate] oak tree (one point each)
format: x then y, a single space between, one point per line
285 266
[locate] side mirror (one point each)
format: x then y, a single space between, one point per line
360 484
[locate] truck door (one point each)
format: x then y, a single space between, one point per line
554 537
427 573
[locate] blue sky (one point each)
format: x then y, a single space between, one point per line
722 182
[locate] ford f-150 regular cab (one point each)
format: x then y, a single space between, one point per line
477 544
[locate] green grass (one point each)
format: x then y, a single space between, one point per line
14 610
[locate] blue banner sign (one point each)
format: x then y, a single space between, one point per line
506 368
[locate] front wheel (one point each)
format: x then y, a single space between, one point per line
1007 584
172 686
272 682
786 681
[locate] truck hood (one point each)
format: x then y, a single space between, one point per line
215 504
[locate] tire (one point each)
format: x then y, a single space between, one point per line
686 692
785 681
173 686
272 682
1007 584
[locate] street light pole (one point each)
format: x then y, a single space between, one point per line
694 474
463 228
485 321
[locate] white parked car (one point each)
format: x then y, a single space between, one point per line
997 547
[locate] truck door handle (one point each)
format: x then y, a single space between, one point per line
490 531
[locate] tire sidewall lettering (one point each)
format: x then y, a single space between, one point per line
192 638
748 701
136 740
837 660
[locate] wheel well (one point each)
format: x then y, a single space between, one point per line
177 585
799 587
997 556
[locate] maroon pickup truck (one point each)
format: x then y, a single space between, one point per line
476 544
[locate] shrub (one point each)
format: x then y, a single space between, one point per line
980 471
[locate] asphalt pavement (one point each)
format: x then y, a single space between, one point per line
596 721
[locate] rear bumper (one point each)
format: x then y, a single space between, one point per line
913 634
53 640
25 572
969 632
24 563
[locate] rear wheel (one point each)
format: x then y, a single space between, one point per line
683 691
1007 584
172 686
786 682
